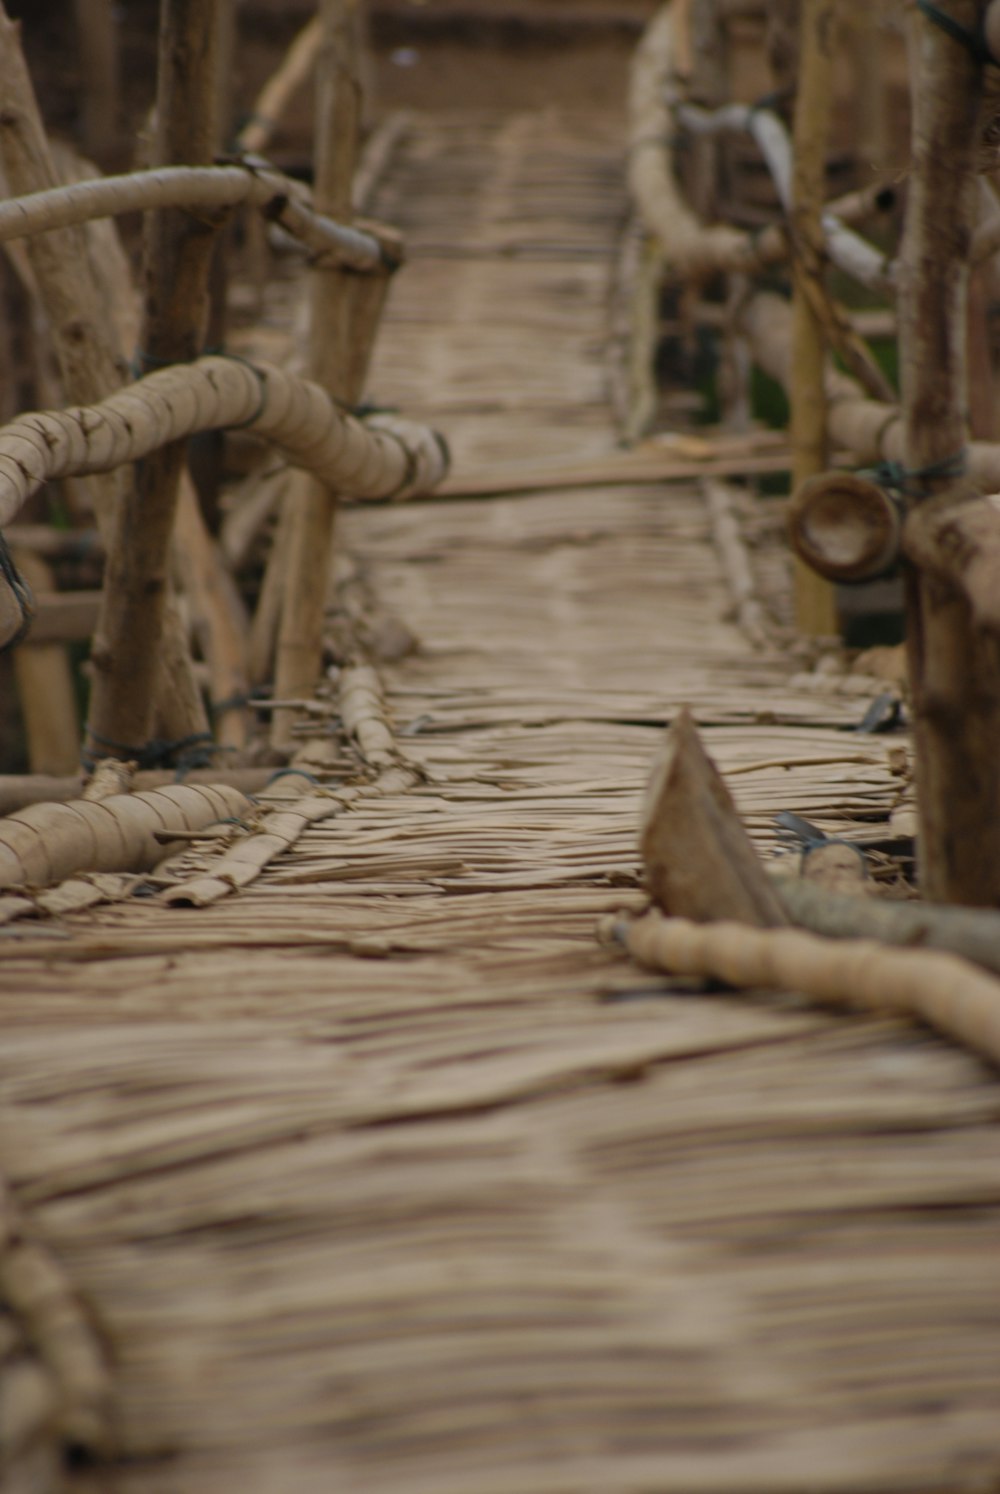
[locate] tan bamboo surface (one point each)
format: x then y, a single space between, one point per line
385 1174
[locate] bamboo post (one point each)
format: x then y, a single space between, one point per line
80 328
178 253
815 608
954 664
338 354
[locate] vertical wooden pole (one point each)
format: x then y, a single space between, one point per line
954 665
311 506
81 329
815 605
178 253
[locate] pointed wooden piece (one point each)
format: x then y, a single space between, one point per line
699 860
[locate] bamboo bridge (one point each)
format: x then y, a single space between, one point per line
382 1172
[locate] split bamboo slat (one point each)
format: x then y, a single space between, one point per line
384 1171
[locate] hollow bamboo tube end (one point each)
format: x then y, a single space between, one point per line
844 527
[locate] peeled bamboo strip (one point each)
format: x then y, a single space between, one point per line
380 457
942 990
363 713
49 842
194 187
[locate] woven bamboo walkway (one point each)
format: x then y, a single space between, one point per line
384 1175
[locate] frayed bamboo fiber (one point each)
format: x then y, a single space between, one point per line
363 715
38 1296
380 457
195 188
47 843
942 990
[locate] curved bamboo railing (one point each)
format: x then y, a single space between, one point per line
252 182
380 457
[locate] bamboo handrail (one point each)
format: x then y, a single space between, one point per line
692 247
253 182
846 249
381 457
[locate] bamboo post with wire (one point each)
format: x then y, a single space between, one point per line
815 604
954 661
81 330
178 252
344 315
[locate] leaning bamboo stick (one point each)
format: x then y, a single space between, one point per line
271 103
942 990
47 843
255 184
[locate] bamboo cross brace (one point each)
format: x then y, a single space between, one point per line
197 188
380 457
942 990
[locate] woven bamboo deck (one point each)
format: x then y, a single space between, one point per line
384 1175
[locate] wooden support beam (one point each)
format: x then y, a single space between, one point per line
177 258
954 661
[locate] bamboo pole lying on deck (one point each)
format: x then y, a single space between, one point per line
942 990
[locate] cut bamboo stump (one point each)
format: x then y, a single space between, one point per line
698 858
